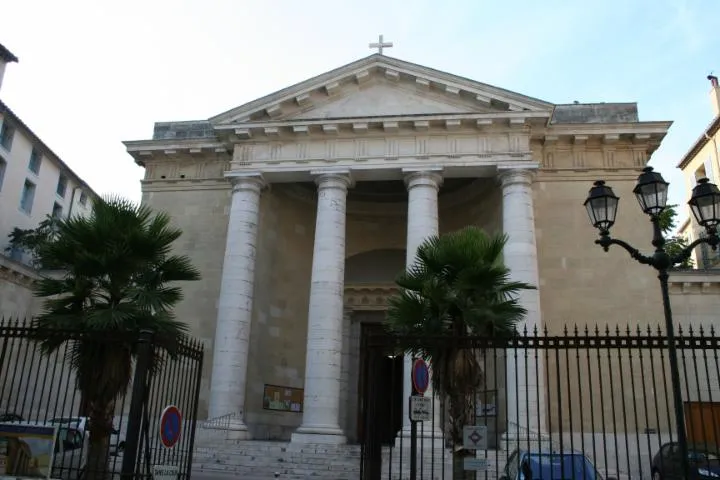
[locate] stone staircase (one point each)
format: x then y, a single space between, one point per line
256 460
249 459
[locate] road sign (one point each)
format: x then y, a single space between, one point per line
420 376
475 437
165 472
476 464
420 408
170 426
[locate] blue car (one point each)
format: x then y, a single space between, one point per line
546 465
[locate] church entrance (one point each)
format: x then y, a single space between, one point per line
380 383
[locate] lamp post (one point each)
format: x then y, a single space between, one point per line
651 192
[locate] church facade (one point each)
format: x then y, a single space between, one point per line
300 208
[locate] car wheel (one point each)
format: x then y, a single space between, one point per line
656 475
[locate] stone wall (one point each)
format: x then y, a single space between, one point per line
16 296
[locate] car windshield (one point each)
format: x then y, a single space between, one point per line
557 466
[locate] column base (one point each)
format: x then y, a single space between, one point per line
236 429
429 437
325 435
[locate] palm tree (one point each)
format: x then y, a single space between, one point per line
113 276
457 287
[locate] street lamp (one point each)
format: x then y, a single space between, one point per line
651 192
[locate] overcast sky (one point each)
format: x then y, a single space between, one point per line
94 73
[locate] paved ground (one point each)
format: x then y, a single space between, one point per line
223 476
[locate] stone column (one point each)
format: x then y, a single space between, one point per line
423 187
525 380
232 332
323 361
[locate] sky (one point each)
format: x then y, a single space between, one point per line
93 74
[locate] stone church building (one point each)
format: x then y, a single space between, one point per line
301 207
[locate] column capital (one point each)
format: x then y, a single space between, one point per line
430 176
333 179
246 181
513 176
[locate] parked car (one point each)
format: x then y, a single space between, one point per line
10 417
704 462
82 424
549 465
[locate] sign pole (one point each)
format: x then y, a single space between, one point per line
420 376
413 447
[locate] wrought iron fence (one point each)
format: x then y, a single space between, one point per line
39 389
585 403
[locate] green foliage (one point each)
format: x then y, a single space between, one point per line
30 240
115 273
676 243
458 286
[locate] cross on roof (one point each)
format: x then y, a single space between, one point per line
380 45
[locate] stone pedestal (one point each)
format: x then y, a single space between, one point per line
524 379
323 363
423 187
232 333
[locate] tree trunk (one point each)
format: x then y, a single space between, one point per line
459 472
101 424
461 413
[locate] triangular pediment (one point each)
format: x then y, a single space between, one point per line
380 86
383 98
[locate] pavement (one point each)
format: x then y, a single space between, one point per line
223 476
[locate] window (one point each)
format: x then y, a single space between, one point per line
35 161
62 186
57 210
3 166
28 196
83 198
6 136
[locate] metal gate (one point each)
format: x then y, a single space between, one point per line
39 389
162 379
602 395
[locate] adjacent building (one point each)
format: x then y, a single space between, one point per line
703 160
34 183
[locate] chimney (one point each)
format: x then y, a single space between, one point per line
6 57
714 94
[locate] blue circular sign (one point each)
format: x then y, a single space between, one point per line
420 376
170 426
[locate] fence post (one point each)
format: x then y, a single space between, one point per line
135 416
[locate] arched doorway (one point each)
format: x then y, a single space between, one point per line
369 281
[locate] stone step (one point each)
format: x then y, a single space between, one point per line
262 459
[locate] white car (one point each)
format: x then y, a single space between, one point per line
81 424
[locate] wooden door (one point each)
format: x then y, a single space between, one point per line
703 422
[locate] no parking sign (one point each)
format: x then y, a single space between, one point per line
170 426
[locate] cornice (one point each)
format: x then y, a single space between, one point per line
17 273
358 127
525 126
143 150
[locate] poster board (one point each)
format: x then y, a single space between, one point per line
26 450
283 399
